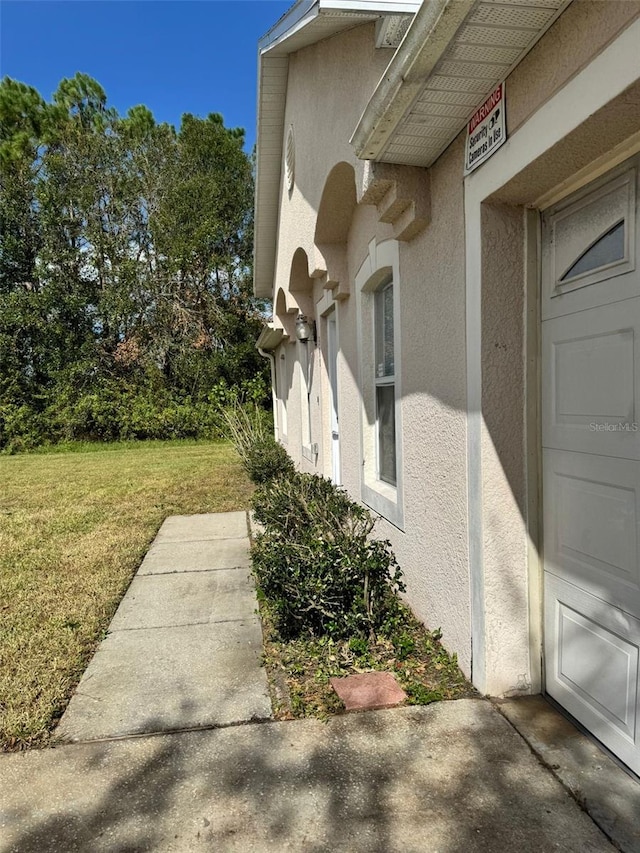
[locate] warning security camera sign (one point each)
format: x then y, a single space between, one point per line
486 131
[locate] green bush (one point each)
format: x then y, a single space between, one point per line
112 411
266 460
20 428
119 409
316 563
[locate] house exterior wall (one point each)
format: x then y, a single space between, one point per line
579 34
323 118
467 537
432 547
585 127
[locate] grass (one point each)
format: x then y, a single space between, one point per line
74 526
299 670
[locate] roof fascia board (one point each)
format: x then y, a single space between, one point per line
305 11
443 147
372 7
429 35
294 19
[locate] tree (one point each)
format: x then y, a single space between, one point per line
125 255
200 231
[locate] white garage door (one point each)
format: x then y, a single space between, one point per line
591 458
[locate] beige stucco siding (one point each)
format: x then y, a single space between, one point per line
464 533
585 28
432 547
503 446
329 85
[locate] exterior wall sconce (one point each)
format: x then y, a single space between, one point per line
305 329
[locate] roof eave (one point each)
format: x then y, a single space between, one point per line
274 48
409 121
426 40
270 338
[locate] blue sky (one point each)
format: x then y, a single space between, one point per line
174 56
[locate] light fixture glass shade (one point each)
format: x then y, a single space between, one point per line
304 331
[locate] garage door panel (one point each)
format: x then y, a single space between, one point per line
592 522
593 381
590 247
592 664
590 424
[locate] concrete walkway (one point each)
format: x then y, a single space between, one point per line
173 748
183 650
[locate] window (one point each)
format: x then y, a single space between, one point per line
591 241
606 250
385 383
377 287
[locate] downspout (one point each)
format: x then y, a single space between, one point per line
274 390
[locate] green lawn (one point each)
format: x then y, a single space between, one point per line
74 527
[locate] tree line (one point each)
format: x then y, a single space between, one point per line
125 269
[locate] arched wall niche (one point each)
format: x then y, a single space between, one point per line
401 196
301 283
337 204
335 213
285 311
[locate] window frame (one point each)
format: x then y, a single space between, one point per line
383 379
379 268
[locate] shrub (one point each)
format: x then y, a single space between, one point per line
266 460
113 408
249 429
316 563
20 428
113 411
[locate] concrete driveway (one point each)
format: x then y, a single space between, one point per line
169 745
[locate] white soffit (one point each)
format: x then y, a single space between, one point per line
453 55
270 337
305 23
310 21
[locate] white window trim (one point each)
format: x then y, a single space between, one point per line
383 259
384 381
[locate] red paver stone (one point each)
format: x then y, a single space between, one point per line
369 690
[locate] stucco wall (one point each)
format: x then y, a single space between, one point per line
329 84
579 34
503 448
432 549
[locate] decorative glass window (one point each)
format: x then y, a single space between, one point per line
589 240
606 250
385 383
